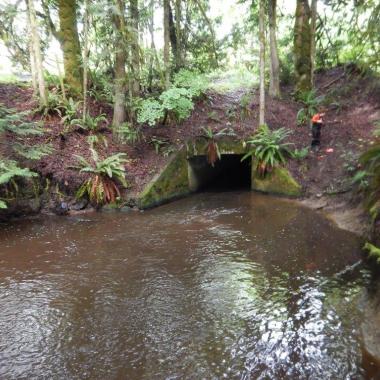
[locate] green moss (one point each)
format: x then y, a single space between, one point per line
171 183
373 251
69 40
226 146
279 181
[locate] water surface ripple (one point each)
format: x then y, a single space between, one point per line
219 285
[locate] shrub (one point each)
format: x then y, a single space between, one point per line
102 186
150 111
128 134
178 102
268 148
194 82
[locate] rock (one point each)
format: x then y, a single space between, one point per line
370 324
80 204
61 208
279 181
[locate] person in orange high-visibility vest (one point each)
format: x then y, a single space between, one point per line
316 126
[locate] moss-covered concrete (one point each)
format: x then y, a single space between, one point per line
181 176
279 182
171 183
227 145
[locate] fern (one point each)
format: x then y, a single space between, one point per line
35 152
104 175
268 148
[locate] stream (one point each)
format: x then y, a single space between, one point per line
218 285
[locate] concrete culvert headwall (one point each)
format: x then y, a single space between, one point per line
228 173
188 171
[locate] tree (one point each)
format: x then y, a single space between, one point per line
274 86
36 57
119 109
135 48
302 47
68 37
86 22
313 29
262 61
179 56
167 43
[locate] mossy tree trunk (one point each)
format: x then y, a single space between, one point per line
167 43
135 47
302 47
314 14
274 86
36 56
119 109
69 39
262 61
179 59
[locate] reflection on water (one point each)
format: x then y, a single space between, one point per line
236 285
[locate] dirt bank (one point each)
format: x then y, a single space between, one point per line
352 103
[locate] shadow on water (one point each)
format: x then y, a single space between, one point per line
219 285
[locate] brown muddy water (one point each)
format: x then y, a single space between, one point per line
219 285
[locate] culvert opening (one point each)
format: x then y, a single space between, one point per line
229 173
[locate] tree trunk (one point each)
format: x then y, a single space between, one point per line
173 36
119 109
314 14
179 52
302 47
85 58
274 86
33 65
262 61
69 39
135 48
37 52
167 43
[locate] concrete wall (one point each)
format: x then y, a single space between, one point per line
187 170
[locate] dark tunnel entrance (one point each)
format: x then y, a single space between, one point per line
229 173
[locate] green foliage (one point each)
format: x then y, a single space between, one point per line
212 147
96 140
129 134
102 186
196 83
158 143
90 123
370 161
13 121
310 106
177 101
150 111
68 111
9 172
245 104
53 105
35 152
300 154
373 251
268 149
